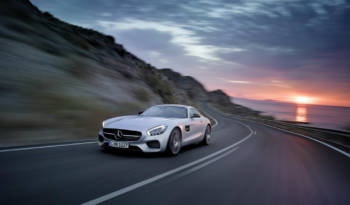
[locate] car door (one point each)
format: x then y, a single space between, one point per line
194 126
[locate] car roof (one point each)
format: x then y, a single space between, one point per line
176 105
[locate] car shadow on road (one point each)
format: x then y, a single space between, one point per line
139 154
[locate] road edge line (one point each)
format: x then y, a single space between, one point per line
311 138
45 146
216 122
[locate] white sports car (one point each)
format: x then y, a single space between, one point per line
160 128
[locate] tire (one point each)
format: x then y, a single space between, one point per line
207 136
174 142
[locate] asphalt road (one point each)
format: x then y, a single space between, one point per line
247 163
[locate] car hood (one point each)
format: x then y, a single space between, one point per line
135 122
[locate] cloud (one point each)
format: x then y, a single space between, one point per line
271 83
239 82
227 10
253 8
277 83
163 61
273 49
180 36
258 44
106 14
154 54
158 57
201 26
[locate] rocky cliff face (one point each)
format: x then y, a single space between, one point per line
59 81
194 91
223 102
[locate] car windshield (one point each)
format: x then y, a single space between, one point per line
166 111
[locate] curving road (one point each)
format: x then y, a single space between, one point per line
247 163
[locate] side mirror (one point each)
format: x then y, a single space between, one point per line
139 113
195 115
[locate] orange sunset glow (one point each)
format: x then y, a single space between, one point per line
282 89
301 114
304 100
320 94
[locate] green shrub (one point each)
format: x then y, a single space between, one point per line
267 117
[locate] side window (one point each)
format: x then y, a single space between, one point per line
194 111
190 111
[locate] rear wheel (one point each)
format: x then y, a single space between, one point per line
207 136
174 143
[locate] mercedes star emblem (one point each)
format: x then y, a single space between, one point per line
118 135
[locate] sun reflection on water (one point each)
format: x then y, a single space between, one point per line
301 113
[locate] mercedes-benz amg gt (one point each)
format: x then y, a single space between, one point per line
160 128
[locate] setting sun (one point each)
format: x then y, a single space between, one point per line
303 100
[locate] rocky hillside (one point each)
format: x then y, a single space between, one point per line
194 90
59 81
223 102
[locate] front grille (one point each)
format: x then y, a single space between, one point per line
124 135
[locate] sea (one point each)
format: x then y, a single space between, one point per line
331 117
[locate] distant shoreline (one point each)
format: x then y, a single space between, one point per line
321 116
285 102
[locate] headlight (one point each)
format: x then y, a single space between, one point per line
157 130
103 124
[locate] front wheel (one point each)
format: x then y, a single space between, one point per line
207 136
174 143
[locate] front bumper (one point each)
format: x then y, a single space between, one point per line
145 143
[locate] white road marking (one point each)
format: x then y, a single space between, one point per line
313 139
193 169
44 147
170 172
247 126
216 122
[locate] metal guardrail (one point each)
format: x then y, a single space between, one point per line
336 138
325 130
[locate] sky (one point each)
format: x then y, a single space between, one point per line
258 49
